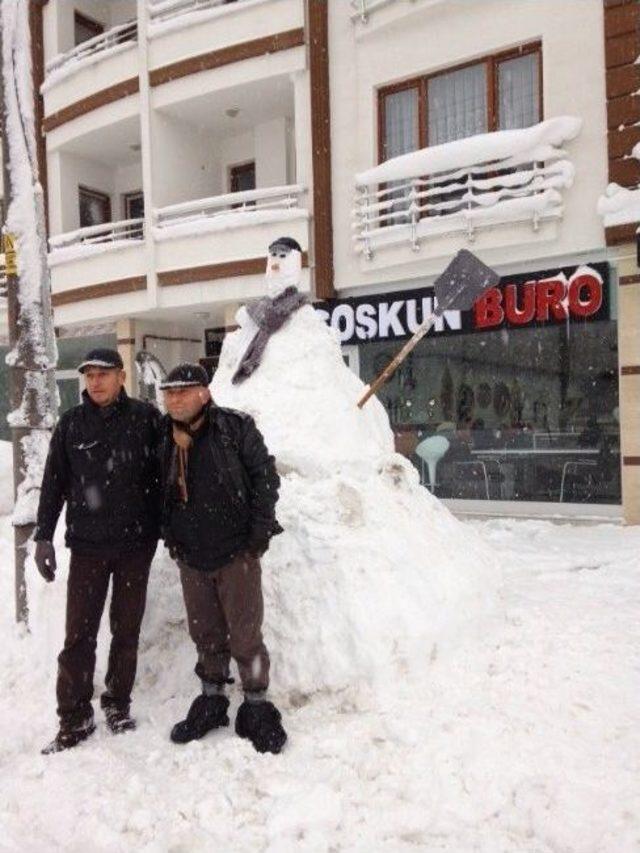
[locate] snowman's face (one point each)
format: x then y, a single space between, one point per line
284 267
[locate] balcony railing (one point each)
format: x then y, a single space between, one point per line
117 35
248 206
363 8
105 235
165 10
481 181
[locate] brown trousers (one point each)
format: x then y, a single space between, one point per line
225 611
86 595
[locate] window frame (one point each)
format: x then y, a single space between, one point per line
96 194
83 20
421 83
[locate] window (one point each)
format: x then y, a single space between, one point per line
85 28
500 92
242 178
133 204
95 207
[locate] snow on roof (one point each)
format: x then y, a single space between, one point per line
538 142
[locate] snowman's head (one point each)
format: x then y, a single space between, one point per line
284 265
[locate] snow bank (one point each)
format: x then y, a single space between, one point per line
372 574
529 144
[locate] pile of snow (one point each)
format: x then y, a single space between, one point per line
538 143
620 205
372 574
6 477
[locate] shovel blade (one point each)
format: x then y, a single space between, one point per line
464 280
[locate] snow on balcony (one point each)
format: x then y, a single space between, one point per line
620 205
232 210
114 41
362 9
167 15
489 179
94 240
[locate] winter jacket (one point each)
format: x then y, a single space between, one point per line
232 487
104 464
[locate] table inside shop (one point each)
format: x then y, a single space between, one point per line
518 455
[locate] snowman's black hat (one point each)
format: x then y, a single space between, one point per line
287 243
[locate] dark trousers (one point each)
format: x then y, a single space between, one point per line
86 595
225 611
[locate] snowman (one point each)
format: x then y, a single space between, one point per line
373 576
259 320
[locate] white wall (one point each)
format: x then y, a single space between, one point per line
404 40
185 164
271 149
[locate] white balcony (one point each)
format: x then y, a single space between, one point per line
461 187
226 230
270 30
77 71
94 239
167 10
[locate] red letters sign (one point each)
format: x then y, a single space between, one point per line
541 301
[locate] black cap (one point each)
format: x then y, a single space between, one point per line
185 376
105 358
285 243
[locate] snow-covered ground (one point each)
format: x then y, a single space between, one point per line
528 740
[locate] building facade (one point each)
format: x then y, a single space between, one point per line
181 137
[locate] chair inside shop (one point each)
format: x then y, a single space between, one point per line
430 451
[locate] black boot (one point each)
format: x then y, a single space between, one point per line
67 738
205 713
118 720
261 723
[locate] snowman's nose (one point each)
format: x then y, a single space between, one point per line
275 267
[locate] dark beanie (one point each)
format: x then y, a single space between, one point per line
285 243
104 358
185 376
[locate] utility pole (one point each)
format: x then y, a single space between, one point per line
32 356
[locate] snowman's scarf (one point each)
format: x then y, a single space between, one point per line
269 315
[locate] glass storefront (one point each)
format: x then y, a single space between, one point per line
516 400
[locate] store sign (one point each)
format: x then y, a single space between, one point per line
565 295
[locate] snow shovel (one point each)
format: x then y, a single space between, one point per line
464 280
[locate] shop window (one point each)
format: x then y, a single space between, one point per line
519 403
95 207
85 28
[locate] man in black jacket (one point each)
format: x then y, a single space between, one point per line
220 491
103 463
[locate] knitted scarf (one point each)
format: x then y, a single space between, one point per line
183 435
269 315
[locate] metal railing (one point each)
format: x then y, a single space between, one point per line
107 232
117 35
165 10
248 202
514 188
363 8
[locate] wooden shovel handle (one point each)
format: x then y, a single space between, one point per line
393 365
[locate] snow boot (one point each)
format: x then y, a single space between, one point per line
68 738
260 722
205 713
118 720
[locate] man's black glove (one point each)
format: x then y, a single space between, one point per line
257 546
45 558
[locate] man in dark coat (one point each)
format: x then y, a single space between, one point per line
220 490
103 463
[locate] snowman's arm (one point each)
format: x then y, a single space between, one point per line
260 466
